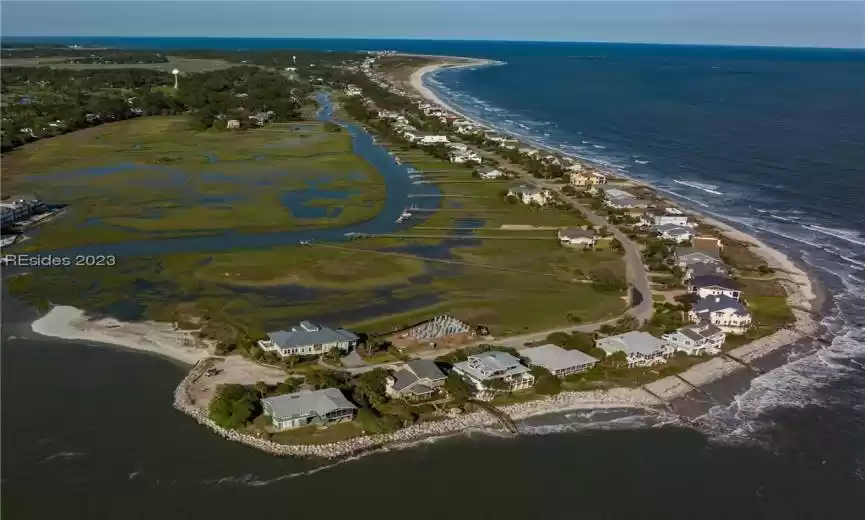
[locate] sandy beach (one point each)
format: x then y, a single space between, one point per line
149 336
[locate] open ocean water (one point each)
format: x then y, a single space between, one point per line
771 140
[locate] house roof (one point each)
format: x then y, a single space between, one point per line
425 368
719 303
576 233
617 193
554 357
633 342
307 402
699 331
682 253
484 365
528 189
701 269
674 229
713 280
308 333
706 245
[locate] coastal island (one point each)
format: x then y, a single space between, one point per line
399 269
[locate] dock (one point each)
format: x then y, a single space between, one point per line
503 418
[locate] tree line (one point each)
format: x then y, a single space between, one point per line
44 102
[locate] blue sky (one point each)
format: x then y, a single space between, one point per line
799 23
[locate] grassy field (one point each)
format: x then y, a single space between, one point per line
152 176
371 285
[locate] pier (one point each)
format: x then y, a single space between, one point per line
697 389
448 237
742 362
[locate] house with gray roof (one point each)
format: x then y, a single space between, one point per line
308 339
492 371
696 339
688 256
640 348
577 237
726 313
417 380
675 232
699 269
714 285
558 361
325 406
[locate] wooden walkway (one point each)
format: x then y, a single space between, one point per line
503 418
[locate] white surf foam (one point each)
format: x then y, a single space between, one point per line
708 188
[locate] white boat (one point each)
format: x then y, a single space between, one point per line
405 216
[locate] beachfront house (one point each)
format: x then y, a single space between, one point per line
641 348
714 285
558 361
670 216
577 237
674 232
308 339
726 313
352 91
308 407
620 199
419 379
494 371
685 257
696 339
699 269
575 168
490 173
528 194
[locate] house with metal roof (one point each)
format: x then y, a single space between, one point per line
308 339
492 371
713 285
640 348
558 361
577 237
696 339
325 406
417 380
726 313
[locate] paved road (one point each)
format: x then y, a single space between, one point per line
636 273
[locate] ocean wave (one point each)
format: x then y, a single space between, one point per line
708 188
640 162
842 234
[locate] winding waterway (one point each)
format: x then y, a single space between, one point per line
396 177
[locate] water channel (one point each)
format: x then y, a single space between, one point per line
396 177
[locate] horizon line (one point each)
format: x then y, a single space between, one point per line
471 40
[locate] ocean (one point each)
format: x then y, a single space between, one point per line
768 139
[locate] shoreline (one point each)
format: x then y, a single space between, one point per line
161 338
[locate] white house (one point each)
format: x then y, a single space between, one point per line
527 194
640 348
308 339
352 91
458 157
558 361
713 285
577 237
696 339
670 216
687 256
675 232
728 314
480 370
307 407
430 139
490 173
